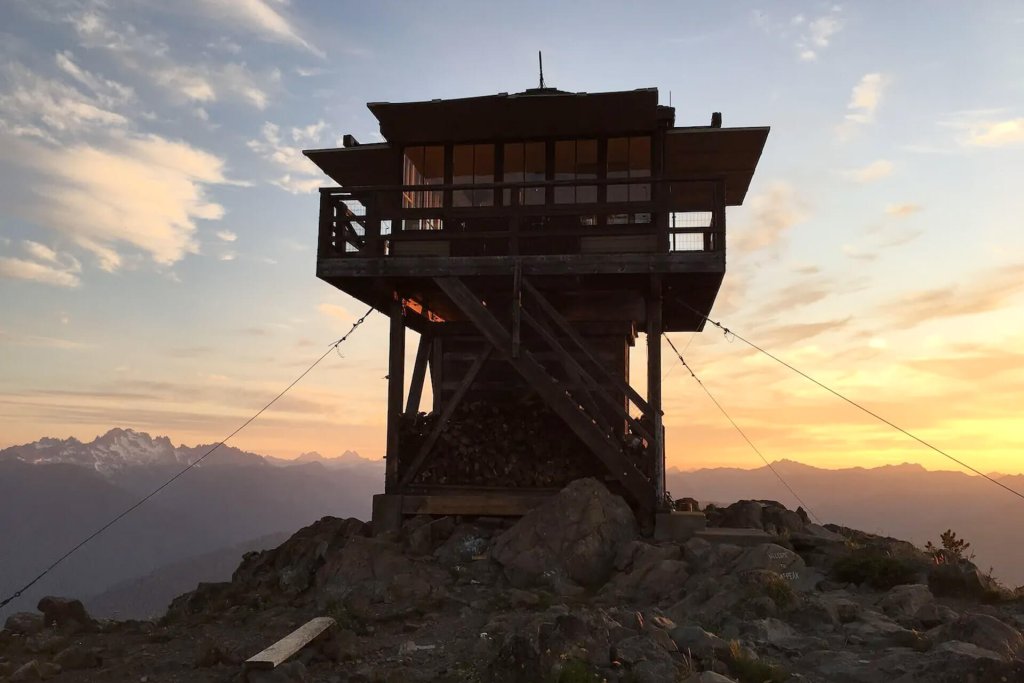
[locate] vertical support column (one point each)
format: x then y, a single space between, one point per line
396 384
654 331
419 374
517 307
437 371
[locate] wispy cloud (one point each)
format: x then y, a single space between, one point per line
335 311
772 214
40 263
226 236
143 192
988 291
300 176
902 210
259 17
876 170
816 34
864 102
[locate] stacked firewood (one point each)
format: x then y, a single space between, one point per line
516 445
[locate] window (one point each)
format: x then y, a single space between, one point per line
473 165
576 160
524 162
629 158
423 165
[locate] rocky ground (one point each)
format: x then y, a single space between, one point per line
569 593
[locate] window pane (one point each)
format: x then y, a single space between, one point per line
565 160
422 166
618 158
462 174
483 173
513 163
433 162
639 157
534 161
586 159
586 194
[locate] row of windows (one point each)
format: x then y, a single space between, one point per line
524 162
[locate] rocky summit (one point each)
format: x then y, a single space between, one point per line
569 593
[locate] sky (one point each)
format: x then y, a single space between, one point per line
158 221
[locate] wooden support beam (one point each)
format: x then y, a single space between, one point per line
587 381
492 503
282 650
436 370
551 392
419 374
446 414
396 386
567 329
517 307
656 448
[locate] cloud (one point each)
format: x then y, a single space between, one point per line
876 170
772 213
15 338
864 102
996 134
301 176
817 35
42 264
186 82
335 311
34 106
902 210
784 335
226 236
260 17
145 192
989 291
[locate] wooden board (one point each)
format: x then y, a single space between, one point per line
483 504
280 651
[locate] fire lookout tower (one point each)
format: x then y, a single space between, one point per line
528 238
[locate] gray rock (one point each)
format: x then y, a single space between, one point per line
78 657
576 534
988 633
289 672
642 648
35 670
903 602
64 612
694 640
960 580
709 677
934 614
743 514
773 558
24 623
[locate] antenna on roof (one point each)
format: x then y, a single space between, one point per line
540 61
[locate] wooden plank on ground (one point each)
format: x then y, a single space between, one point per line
280 651
485 504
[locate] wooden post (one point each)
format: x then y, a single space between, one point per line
657 447
419 373
517 307
436 371
396 384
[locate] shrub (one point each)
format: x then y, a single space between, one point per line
751 669
953 549
877 569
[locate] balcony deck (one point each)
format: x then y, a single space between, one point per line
370 245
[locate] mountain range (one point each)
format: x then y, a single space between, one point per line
54 492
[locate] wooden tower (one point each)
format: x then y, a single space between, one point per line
528 238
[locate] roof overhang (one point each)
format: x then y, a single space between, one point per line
729 154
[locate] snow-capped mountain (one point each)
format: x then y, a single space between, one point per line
122 449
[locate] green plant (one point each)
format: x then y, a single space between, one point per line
574 671
953 549
875 568
751 669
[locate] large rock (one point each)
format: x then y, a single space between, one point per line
647 573
64 612
375 580
902 603
25 623
961 580
988 633
575 535
772 557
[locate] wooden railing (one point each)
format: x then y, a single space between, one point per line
371 222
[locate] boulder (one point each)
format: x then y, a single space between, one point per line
582 636
743 514
78 657
35 670
903 602
574 535
961 580
64 612
988 633
25 623
692 639
425 538
647 573
772 557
